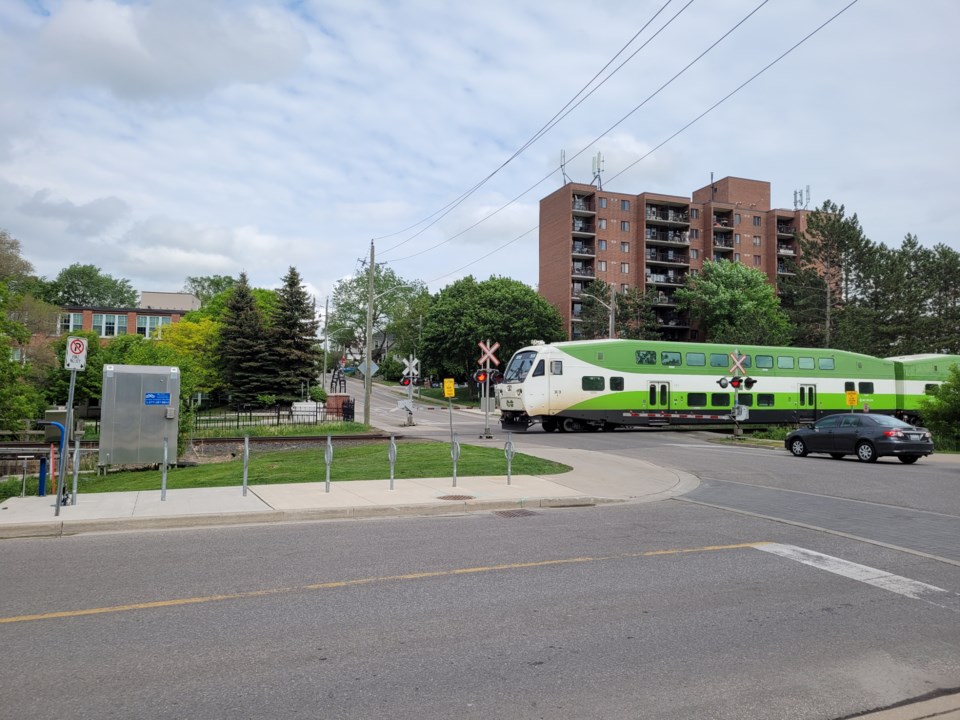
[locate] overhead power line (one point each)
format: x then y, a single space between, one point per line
646 155
571 105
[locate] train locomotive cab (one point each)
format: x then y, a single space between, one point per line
523 387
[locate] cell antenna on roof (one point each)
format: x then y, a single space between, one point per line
806 203
597 171
563 166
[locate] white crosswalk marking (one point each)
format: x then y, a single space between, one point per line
863 573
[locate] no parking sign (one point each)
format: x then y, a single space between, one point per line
76 355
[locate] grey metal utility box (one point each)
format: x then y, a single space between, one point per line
139 407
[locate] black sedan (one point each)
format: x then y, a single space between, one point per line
866 436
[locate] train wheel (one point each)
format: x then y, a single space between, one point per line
549 425
570 425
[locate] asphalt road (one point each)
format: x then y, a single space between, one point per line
741 600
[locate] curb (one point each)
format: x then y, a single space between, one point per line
61 528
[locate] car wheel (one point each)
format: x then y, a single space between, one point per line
866 453
909 459
798 447
836 456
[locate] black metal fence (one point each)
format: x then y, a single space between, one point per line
299 415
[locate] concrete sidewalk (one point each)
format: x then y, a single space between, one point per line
596 478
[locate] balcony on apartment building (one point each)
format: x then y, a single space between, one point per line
667 214
664 299
723 243
786 268
785 249
582 270
670 277
582 248
667 237
666 257
785 230
583 204
672 319
723 220
583 226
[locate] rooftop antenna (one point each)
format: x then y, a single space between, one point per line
714 187
806 203
563 166
597 171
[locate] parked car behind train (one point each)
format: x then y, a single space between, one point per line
866 436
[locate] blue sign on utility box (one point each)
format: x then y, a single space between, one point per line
156 398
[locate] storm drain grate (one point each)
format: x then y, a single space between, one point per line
455 497
513 513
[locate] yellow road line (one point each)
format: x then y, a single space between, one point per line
362 581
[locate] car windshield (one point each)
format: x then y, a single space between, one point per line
519 366
887 421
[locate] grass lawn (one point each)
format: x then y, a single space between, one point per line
365 462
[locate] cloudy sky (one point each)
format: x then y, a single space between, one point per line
164 138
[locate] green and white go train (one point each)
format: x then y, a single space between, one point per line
607 384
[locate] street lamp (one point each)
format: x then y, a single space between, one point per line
611 308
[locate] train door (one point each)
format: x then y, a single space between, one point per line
659 398
807 405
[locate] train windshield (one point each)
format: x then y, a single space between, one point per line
519 366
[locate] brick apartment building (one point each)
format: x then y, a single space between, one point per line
654 241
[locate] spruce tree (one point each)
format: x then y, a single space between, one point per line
293 340
243 348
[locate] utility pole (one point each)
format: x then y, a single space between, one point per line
368 352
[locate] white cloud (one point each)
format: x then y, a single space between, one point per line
171 138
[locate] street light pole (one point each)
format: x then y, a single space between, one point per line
612 309
368 354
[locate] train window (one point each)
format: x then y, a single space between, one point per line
930 388
765 400
745 399
538 370
785 362
719 360
696 359
592 382
697 399
764 361
805 363
866 388
646 357
720 400
745 361
616 383
556 367
670 359
849 386
826 363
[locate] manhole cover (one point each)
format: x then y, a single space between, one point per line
455 497
513 513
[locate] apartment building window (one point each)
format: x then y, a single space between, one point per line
70 322
756 221
148 325
694 234
756 240
736 219
624 267
625 225
756 261
736 239
108 325
602 244
603 203
602 223
736 257
625 247
624 287
694 253
694 214
625 205
602 265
